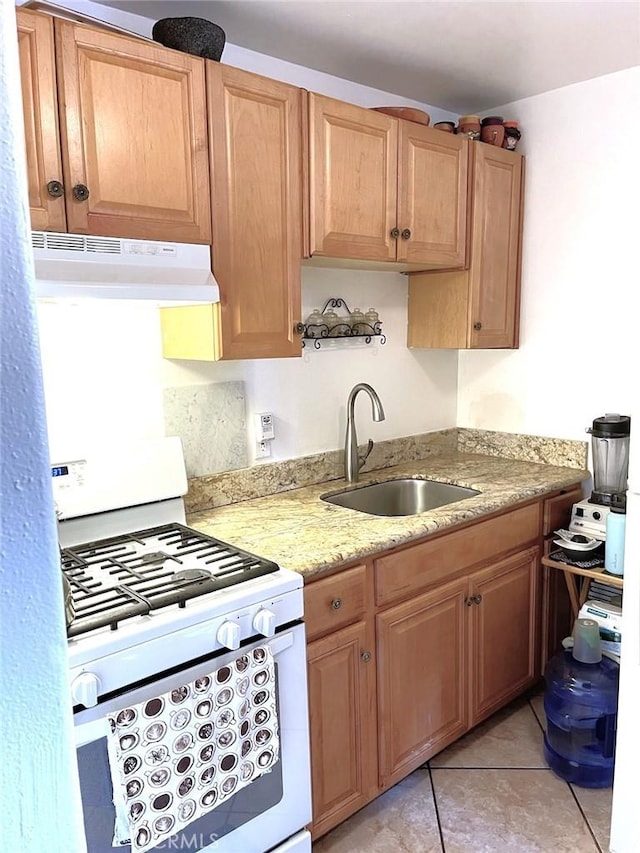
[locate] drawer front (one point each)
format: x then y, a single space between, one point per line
409 571
335 601
557 510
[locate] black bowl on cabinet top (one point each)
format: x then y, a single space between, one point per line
191 35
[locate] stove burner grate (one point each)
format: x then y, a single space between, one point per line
131 575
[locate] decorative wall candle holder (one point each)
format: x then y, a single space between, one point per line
325 324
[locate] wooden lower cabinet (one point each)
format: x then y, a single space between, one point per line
342 710
417 667
503 636
422 679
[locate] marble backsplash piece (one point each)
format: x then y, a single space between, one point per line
565 453
211 421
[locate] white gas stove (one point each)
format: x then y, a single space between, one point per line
157 603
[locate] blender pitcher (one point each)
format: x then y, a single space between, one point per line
610 452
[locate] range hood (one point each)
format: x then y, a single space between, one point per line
79 265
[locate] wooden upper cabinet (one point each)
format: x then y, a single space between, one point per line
381 189
495 248
256 157
432 196
40 103
353 180
477 308
134 134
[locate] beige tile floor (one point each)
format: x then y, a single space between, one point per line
489 792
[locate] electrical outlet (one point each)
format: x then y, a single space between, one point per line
263 449
264 426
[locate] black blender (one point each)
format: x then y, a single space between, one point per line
610 454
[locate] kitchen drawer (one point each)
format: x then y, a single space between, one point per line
335 601
414 569
557 510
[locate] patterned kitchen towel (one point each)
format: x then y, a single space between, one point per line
177 756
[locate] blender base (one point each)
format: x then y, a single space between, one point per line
590 519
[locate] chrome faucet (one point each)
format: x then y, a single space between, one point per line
352 462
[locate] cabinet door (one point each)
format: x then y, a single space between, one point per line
495 250
422 679
352 180
134 134
40 103
342 710
502 649
432 196
256 157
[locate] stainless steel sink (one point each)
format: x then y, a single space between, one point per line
400 497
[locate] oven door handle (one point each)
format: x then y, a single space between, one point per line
280 644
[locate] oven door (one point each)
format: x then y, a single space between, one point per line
259 817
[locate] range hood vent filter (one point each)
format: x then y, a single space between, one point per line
73 265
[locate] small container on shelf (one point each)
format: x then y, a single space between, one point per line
446 126
344 325
356 320
492 130
469 126
372 319
315 324
512 135
332 322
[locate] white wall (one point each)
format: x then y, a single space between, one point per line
579 332
104 372
260 63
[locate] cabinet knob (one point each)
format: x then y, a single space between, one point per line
365 657
468 601
336 604
406 234
395 233
477 326
477 599
80 192
55 189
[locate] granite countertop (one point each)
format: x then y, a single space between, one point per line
300 532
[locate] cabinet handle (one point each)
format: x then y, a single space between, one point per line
406 234
365 657
477 326
469 601
336 604
395 233
55 189
477 599
80 192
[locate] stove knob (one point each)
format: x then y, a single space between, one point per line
264 622
229 635
84 689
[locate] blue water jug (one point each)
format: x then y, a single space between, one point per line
581 706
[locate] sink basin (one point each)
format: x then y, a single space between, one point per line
400 497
